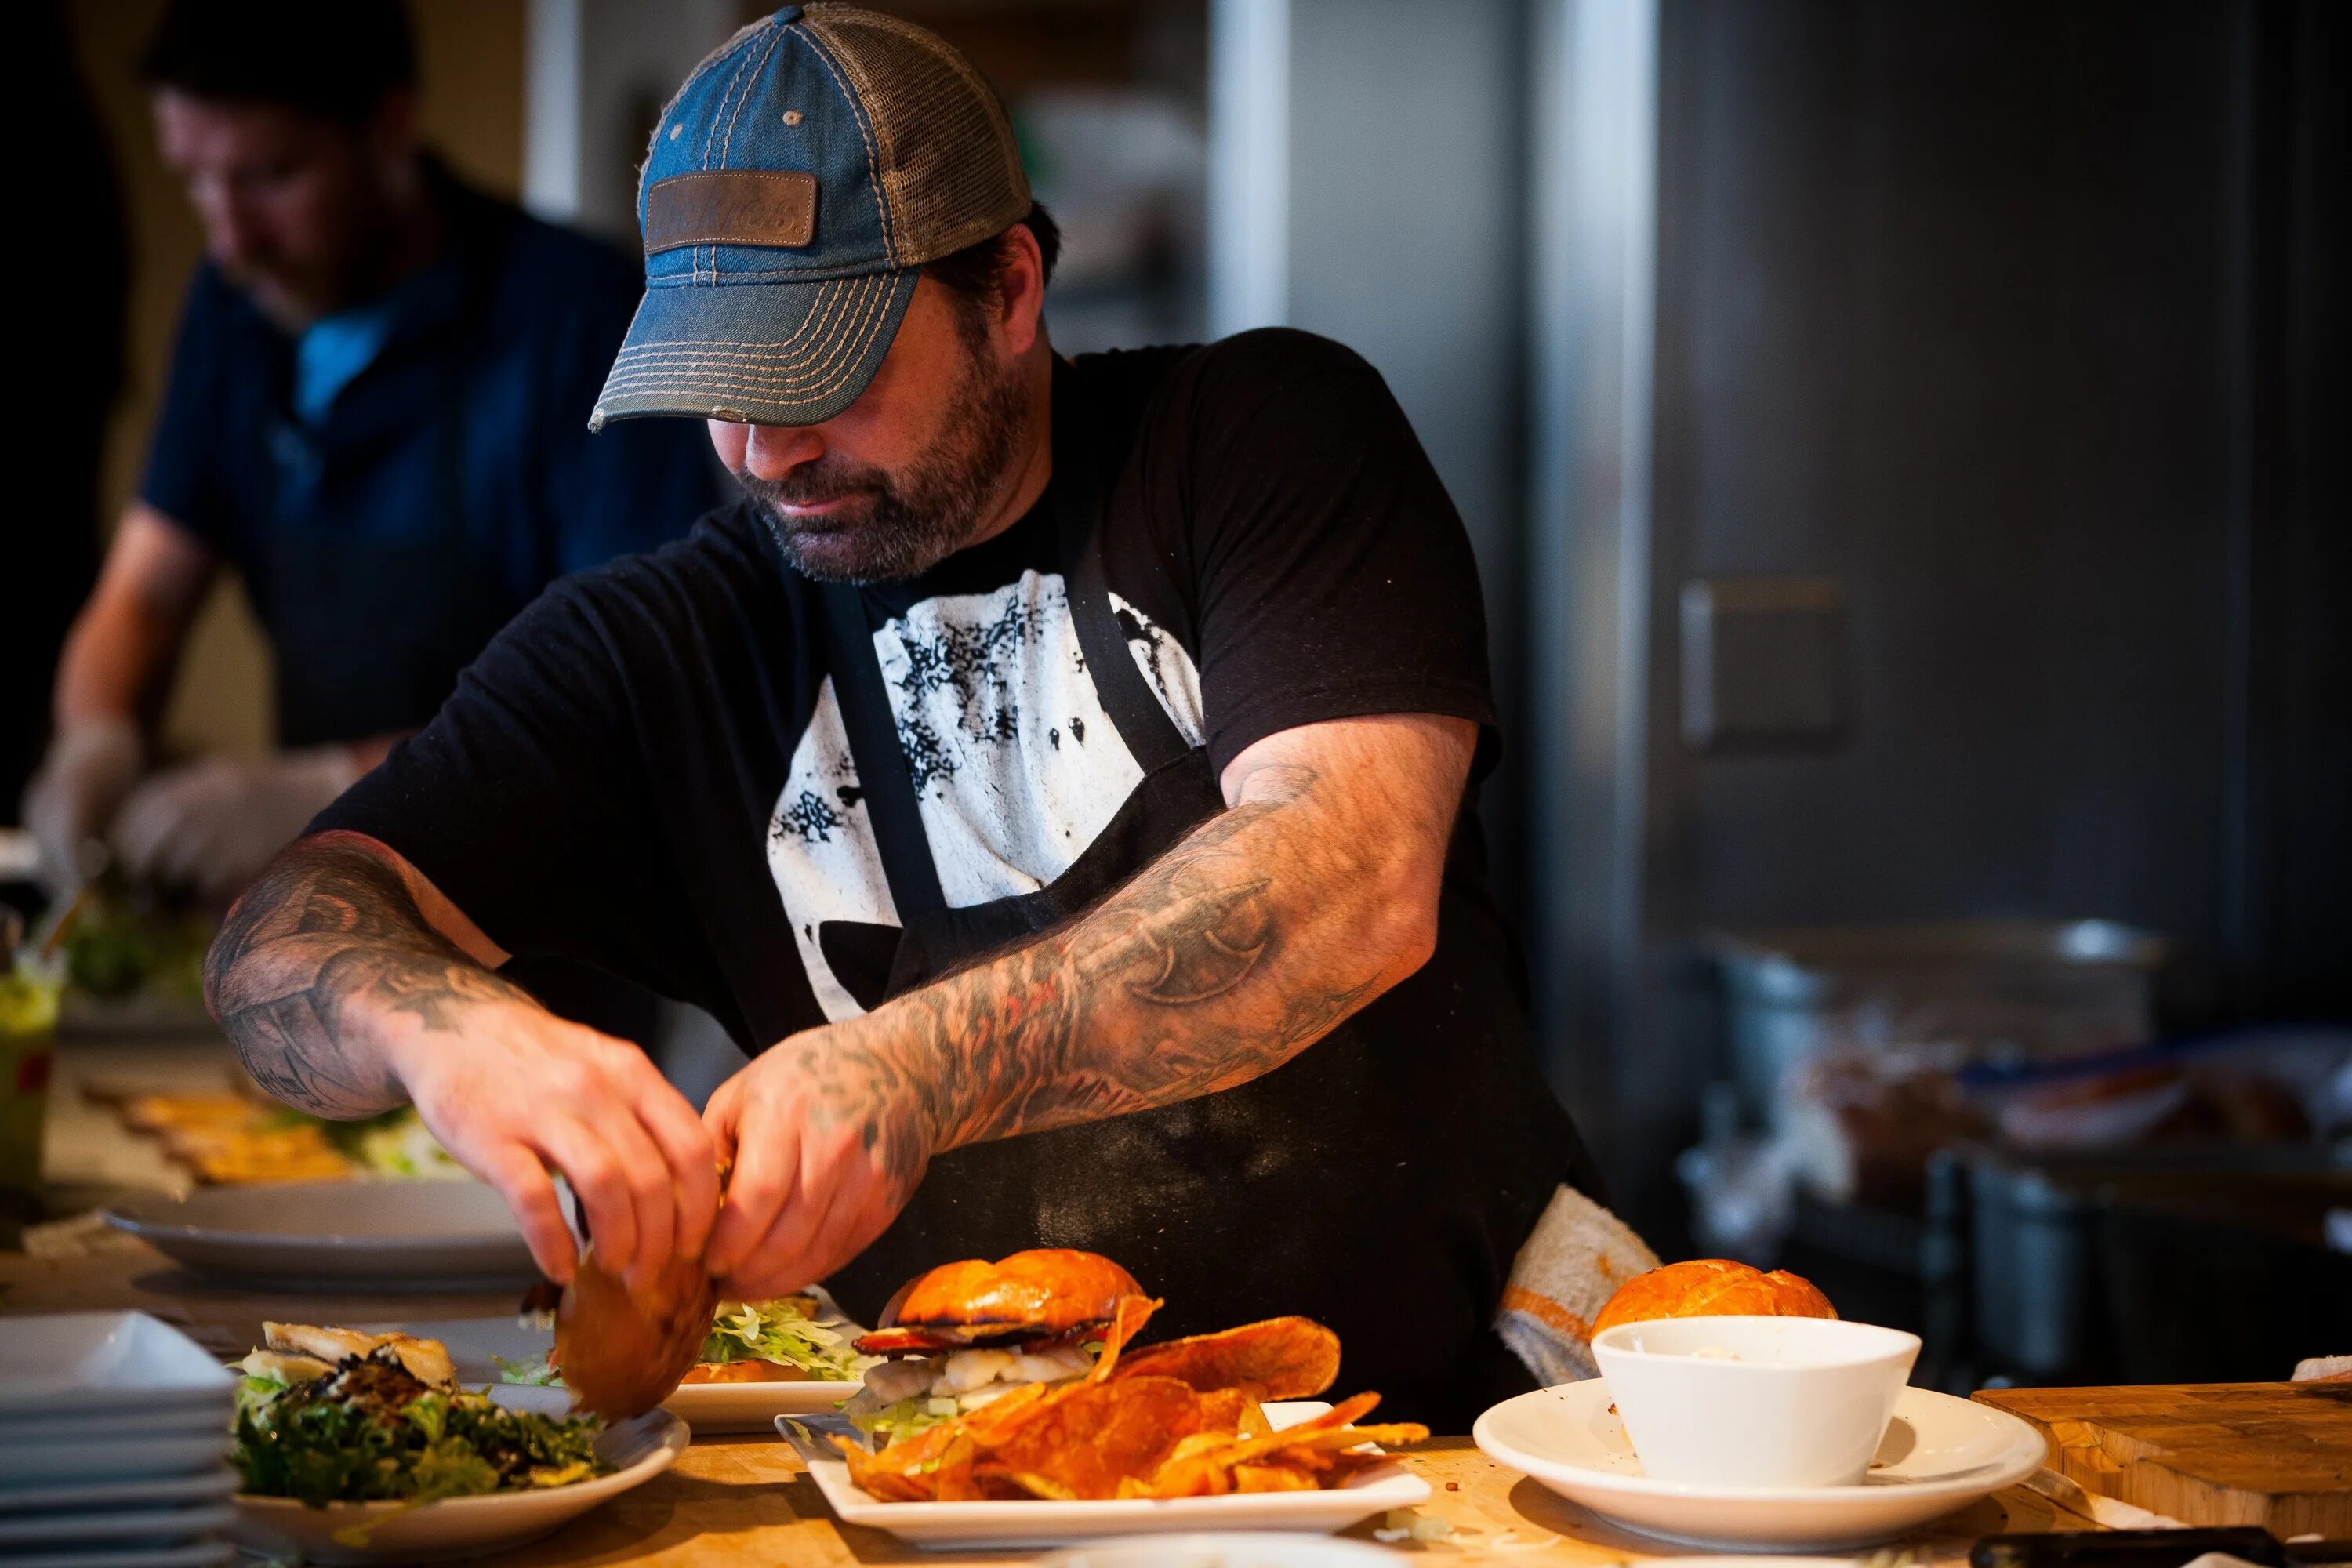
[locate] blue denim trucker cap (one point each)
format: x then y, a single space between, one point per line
795 188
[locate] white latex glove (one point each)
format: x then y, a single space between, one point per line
213 824
89 769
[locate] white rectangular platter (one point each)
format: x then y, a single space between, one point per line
950 1526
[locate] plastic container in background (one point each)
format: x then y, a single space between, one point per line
2017 990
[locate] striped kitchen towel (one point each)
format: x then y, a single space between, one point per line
1573 1261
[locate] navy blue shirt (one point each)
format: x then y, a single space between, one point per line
385 540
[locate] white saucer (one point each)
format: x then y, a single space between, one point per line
1939 1454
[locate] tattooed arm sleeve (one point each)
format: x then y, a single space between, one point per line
330 949
1313 892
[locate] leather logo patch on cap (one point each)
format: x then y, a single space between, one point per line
730 207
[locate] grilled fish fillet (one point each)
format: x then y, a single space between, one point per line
427 1360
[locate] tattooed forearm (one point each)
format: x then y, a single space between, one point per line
323 948
1254 937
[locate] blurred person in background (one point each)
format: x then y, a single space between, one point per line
376 413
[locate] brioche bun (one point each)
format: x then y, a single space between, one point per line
1712 1287
1045 1290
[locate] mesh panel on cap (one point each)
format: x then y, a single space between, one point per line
949 168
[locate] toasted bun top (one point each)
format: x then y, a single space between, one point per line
1712 1287
1050 1290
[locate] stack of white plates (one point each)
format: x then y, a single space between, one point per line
114 1434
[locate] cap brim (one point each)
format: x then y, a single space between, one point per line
758 354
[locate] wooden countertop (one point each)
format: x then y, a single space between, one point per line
748 1499
745 1500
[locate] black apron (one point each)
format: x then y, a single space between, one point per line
1381 1182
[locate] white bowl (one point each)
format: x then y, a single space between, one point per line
1755 1401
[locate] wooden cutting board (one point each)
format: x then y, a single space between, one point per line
2278 1455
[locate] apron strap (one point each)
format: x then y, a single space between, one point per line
873 730
1079 499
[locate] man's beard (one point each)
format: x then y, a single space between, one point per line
899 524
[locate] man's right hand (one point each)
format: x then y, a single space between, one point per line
349 983
512 1091
89 769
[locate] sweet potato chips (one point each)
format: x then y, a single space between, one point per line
1178 1419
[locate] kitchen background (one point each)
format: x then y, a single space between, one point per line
1903 447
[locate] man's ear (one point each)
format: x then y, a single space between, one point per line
1021 292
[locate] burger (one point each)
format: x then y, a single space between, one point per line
958 1336
1713 1288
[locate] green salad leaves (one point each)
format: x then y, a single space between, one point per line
367 1432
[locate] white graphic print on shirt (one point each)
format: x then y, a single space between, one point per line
1015 767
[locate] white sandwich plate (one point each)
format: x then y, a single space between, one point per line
638 1449
1939 1454
339 1235
948 1526
476 1345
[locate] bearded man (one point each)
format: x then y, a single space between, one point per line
1053 771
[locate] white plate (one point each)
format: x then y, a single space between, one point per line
114 1459
638 1449
1939 1454
171 1421
197 1554
83 1365
753 1406
949 1525
1235 1549
475 1343
339 1235
15 1499
156 1526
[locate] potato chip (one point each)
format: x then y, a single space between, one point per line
1280 1358
1089 1435
1271 1479
1127 1320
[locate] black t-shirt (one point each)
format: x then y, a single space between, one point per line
647 769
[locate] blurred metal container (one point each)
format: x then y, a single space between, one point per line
2004 990
2184 1264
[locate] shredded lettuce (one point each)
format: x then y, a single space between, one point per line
783 1331
888 1424
532 1371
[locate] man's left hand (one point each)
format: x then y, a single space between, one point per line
213 824
829 1139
